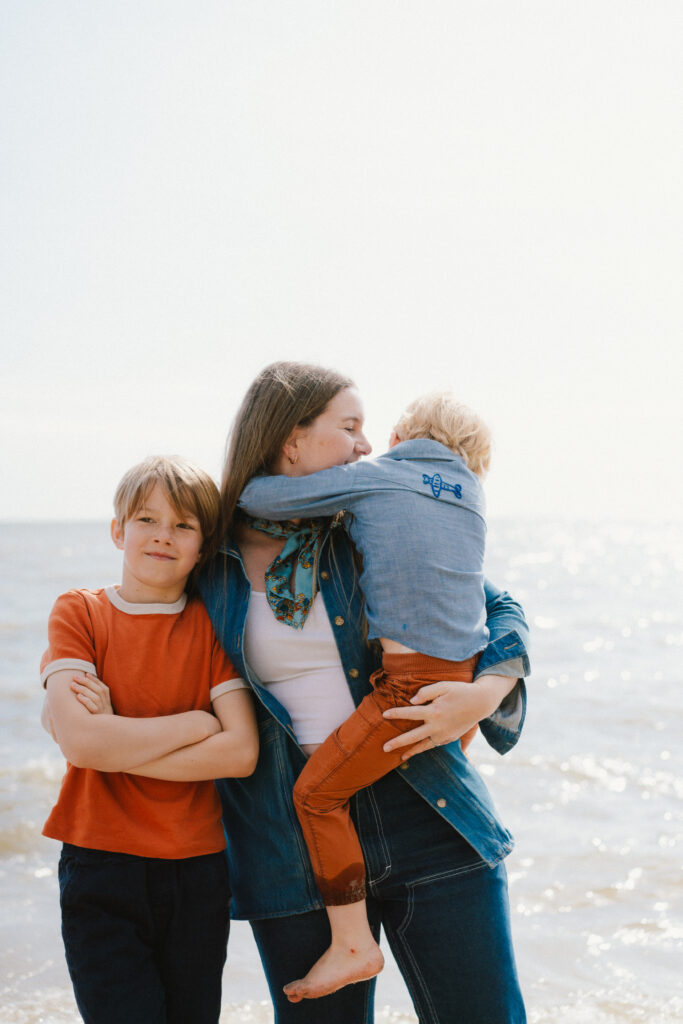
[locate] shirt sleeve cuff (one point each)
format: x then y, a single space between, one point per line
513 667
66 663
503 728
227 687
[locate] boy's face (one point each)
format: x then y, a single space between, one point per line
160 550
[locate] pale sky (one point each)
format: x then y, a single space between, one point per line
485 196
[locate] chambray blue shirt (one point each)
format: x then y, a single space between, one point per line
417 518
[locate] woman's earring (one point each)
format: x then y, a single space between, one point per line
293 461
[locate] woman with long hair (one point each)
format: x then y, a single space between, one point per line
432 842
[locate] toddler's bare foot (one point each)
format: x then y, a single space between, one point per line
338 966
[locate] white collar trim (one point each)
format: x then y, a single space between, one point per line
131 608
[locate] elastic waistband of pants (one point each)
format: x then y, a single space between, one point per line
417 664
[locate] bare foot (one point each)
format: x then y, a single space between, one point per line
338 966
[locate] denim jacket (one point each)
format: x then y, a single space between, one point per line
417 519
270 872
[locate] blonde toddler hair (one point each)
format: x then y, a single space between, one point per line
439 417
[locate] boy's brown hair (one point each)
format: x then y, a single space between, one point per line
189 489
439 417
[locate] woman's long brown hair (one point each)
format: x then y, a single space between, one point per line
285 395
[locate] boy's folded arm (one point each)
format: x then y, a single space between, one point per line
232 753
112 743
45 719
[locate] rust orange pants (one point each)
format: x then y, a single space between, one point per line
352 758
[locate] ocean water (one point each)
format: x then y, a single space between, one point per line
593 792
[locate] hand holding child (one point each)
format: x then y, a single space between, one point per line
448 711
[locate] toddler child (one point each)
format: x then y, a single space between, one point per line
416 515
143 874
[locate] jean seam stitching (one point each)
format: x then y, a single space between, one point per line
385 846
303 850
407 956
453 873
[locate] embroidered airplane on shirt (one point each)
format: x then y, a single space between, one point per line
438 484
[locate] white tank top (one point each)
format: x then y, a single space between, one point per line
300 667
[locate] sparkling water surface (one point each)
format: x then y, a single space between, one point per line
593 793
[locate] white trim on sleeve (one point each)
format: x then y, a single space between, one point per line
63 663
227 687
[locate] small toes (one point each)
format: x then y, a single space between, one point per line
292 993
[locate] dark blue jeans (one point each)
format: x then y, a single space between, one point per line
444 912
145 938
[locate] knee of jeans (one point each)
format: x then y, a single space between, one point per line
311 799
304 795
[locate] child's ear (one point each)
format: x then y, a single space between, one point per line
117 533
394 439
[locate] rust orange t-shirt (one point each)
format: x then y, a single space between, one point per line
156 659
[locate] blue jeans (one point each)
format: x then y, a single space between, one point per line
444 912
145 938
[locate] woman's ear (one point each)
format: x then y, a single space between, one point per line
290 448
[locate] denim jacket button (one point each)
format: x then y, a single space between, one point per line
441 802
324 575
339 621
353 672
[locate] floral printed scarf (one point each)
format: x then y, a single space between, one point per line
295 564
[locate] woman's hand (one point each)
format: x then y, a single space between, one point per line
447 710
92 693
